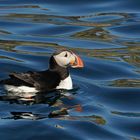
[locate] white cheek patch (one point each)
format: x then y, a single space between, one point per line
62 61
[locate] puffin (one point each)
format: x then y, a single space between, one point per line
57 76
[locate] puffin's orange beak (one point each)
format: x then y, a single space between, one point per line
77 63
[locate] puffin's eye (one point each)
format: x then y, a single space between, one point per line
66 55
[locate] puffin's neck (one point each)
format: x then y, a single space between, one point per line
62 71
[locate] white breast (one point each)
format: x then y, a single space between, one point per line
65 84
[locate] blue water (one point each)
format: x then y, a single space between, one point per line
105 102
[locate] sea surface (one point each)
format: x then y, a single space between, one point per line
105 101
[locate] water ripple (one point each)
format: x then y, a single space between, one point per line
104 103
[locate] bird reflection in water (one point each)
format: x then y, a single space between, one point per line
51 99
62 102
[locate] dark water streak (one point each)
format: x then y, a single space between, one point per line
105 103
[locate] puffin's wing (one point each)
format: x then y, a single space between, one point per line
28 78
25 77
18 79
